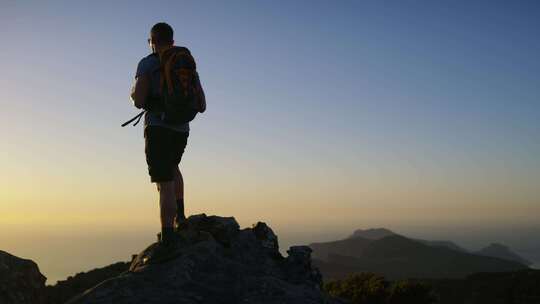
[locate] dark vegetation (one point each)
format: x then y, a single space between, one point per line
370 288
519 287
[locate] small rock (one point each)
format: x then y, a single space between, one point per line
265 234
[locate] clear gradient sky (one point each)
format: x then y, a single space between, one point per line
323 117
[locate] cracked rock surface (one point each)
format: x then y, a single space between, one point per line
217 262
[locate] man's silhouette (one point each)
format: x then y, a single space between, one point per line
164 142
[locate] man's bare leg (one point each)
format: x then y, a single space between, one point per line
179 184
179 194
167 206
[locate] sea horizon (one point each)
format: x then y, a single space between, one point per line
104 247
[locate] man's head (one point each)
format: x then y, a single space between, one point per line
161 37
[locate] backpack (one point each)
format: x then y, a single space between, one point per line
182 96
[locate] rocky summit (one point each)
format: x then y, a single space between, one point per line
215 261
20 281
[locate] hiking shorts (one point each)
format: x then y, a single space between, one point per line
164 148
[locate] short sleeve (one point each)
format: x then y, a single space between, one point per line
142 67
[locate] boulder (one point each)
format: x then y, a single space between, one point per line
20 281
216 262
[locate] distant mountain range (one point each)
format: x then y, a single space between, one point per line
382 251
493 250
379 233
372 234
503 252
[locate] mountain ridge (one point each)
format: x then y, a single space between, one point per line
398 257
493 250
504 252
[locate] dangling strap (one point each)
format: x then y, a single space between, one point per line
137 117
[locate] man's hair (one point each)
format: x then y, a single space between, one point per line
162 33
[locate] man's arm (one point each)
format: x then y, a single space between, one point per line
140 90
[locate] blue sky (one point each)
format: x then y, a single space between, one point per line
350 108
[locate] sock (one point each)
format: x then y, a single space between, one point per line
166 235
180 209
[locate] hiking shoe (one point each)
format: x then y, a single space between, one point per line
164 249
162 253
180 223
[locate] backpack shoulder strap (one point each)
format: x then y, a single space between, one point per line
201 99
169 60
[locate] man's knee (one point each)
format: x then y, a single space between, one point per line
165 186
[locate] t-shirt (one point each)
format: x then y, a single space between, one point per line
150 64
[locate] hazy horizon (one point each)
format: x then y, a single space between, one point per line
322 118
66 254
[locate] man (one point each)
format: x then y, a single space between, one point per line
164 142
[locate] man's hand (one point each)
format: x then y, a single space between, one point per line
140 90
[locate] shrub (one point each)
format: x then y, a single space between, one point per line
370 288
361 288
405 292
